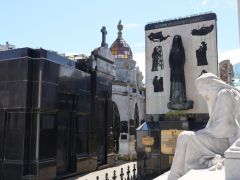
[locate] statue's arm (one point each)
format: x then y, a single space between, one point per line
222 120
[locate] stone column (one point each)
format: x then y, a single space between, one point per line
232 162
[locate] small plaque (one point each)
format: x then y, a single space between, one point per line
169 140
147 140
124 127
123 136
148 149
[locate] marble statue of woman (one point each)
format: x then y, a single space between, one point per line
203 149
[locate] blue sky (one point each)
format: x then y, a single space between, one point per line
74 25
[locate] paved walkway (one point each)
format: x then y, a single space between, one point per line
201 174
101 173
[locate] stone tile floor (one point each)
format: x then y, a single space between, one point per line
201 174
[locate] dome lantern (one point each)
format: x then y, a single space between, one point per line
120 49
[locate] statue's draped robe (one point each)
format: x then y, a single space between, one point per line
155 60
177 78
198 150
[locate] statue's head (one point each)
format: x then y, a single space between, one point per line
177 38
177 41
209 84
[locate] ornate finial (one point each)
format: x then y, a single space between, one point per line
104 33
120 28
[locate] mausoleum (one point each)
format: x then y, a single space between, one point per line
128 97
55 113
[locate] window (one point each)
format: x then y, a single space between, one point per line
82 134
47 142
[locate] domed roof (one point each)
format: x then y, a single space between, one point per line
120 49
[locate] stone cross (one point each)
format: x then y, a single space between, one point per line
104 33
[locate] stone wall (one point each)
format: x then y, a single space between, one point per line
226 71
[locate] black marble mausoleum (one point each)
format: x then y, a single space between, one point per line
55 114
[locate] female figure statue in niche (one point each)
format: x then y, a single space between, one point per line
178 99
157 58
201 54
204 148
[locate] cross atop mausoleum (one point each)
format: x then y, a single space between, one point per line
104 33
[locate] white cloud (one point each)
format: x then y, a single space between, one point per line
231 2
205 3
233 55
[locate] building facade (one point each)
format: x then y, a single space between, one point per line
6 46
127 96
177 52
226 71
76 57
55 114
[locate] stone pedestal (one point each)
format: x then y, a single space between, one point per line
232 162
